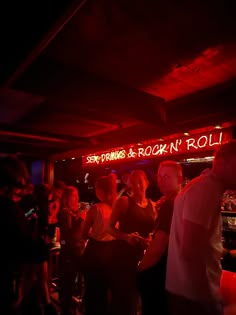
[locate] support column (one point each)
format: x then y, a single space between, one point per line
49 173
37 172
42 172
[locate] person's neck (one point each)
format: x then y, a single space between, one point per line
108 201
140 199
173 192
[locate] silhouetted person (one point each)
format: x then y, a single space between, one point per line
14 233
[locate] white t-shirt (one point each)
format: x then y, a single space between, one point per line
199 202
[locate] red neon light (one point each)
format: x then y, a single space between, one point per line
189 144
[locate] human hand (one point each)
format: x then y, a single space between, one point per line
146 242
133 238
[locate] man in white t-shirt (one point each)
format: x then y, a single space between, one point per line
195 248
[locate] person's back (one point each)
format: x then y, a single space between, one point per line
205 191
99 228
13 232
195 248
98 252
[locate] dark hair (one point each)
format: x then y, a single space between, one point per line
226 150
66 196
59 184
12 172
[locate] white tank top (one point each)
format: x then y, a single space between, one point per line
99 228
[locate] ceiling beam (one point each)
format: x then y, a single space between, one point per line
208 108
54 31
30 136
66 88
41 137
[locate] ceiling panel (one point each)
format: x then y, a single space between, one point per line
115 72
14 104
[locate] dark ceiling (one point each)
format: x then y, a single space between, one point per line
80 76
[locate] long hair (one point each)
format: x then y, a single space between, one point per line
137 174
12 172
69 191
106 188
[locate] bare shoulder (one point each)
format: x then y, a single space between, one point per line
203 185
92 210
121 204
122 201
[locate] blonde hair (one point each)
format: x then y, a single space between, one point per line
176 166
137 173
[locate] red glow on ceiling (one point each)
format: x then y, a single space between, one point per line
213 66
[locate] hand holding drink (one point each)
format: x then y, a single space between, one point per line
135 238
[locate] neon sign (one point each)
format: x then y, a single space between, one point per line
188 144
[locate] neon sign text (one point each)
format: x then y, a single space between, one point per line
189 144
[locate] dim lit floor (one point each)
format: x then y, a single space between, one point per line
56 304
228 291
230 310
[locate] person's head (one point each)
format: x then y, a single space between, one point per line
106 188
58 189
29 189
70 198
169 177
42 192
13 177
224 164
125 178
138 182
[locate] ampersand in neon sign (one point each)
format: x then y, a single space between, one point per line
131 154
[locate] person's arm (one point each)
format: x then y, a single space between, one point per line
65 220
119 209
54 209
88 222
154 251
199 213
159 244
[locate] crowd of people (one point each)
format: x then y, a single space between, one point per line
131 251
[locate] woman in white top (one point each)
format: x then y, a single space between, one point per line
98 251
